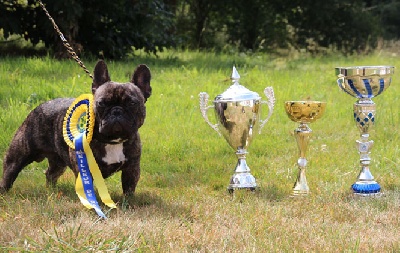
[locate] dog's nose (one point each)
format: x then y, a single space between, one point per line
116 111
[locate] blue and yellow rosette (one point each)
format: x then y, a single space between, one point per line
78 132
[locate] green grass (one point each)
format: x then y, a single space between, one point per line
181 203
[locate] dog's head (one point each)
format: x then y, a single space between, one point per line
119 107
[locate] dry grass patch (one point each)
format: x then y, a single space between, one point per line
181 203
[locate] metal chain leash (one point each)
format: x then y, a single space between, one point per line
65 42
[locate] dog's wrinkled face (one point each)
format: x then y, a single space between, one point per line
119 110
119 107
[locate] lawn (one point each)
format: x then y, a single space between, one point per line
181 203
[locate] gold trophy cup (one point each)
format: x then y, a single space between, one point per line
303 112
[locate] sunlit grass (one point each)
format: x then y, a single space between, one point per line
181 203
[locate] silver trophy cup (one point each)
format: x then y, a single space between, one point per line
237 112
364 83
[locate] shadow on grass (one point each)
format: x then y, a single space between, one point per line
272 193
135 201
63 196
150 202
41 193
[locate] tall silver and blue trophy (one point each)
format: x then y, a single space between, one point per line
237 112
364 83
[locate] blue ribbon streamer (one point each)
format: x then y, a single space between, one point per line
86 177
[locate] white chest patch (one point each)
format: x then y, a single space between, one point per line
114 154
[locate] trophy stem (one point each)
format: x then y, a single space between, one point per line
302 135
242 178
364 116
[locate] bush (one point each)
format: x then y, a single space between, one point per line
108 28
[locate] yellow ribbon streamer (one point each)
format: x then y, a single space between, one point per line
97 178
72 128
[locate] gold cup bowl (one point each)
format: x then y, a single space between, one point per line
305 111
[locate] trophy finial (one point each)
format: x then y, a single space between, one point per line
235 75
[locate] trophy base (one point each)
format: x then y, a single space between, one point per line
242 181
300 193
301 188
366 188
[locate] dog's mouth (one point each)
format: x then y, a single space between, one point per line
117 128
115 131
116 124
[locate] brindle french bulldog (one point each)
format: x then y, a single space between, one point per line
119 113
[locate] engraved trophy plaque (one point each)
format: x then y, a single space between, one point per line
304 113
364 83
237 112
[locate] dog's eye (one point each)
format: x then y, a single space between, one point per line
101 104
133 103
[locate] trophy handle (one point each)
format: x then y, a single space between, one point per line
269 93
340 81
204 109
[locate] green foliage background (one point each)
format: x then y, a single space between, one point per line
112 29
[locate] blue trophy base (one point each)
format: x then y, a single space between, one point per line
366 189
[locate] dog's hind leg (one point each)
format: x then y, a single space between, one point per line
56 168
13 164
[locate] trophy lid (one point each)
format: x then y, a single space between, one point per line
236 92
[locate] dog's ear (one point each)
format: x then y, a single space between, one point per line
100 75
141 78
